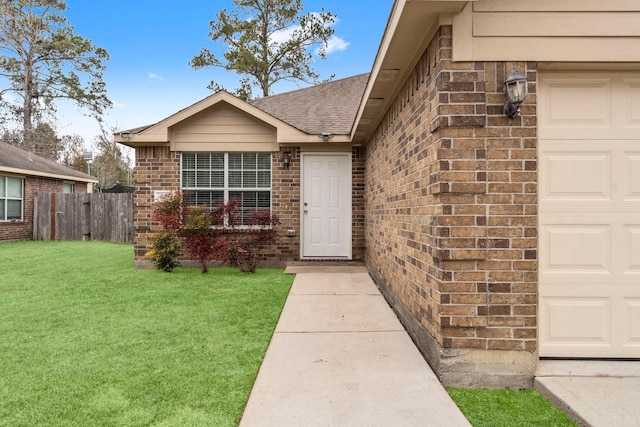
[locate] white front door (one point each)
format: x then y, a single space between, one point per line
326 205
589 210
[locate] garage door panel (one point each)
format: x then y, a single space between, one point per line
571 103
631 96
576 248
632 315
571 321
573 175
631 172
631 265
589 214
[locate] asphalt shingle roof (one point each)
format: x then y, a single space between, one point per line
328 107
16 158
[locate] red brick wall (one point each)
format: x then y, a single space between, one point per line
451 204
21 230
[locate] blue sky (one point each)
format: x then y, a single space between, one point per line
150 44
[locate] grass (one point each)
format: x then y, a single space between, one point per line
85 339
497 408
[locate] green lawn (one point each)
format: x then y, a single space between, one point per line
507 408
87 340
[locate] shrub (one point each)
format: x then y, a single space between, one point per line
209 235
200 238
164 250
242 248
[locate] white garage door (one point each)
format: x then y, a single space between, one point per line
589 210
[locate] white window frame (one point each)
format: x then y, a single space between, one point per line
6 198
226 189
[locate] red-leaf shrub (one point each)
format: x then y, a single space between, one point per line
201 239
244 246
164 246
208 235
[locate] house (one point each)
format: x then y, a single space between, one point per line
22 175
499 239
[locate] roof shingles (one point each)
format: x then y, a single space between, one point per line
329 107
14 158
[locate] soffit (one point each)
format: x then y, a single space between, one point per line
409 28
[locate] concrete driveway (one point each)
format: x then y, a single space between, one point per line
593 393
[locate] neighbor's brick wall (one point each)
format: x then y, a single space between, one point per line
21 230
451 210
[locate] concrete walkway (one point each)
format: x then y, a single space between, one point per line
340 357
593 393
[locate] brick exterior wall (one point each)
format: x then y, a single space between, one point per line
285 202
158 169
22 230
451 211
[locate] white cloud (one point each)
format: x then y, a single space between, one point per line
282 36
154 76
336 44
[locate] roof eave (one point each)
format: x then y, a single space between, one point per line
26 172
158 134
409 29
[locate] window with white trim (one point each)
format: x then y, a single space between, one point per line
11 199
211 179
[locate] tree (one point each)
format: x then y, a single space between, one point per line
252 35
73 152
110 165
42 60
44 140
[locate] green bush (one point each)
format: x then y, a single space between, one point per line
164 250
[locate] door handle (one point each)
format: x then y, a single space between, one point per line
306 211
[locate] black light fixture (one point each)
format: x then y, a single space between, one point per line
287 159
516 88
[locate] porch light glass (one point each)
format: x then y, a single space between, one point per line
516 88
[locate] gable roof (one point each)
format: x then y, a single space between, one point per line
18 161
299 116
160 132
329 107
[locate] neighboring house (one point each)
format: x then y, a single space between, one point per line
22 175
497 240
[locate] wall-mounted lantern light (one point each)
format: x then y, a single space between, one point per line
516 88
286 161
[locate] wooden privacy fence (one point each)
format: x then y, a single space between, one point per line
83 216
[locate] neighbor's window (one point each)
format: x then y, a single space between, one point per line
67 187
215 178
11 198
